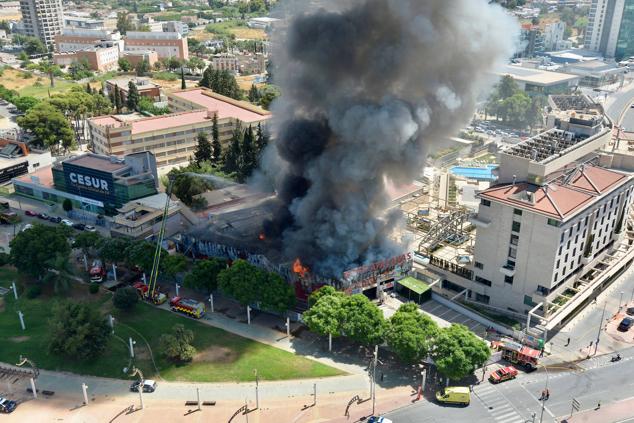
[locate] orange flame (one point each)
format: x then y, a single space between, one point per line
262 237
299 268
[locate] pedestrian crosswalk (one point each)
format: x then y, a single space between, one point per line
496 403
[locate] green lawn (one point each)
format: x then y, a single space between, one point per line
41 91
222 356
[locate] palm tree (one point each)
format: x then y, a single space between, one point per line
59 273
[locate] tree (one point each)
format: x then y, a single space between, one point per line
25 103
49 127
67 205
77 331
321 292
177 345
267 95
33 45
222 82
142 68
241 281
59 273
123 22
126 298
249 158
183 84
114 249
118 103
457 352
33 250
203 152
410 333
276 294
363 321
125 65
261 139
173 264
233 154
133 96
215 140
87 241
326 316
204 275
141 253
186 187
254 94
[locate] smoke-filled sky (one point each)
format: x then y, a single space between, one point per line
367 87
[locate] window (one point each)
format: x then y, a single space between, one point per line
510 264
542 290
516 227
512 252
482 298
554 222
558 263
484 202
517 212
562 237
568 245
479 265
579 225
560 248
514 239
576 238
586 223
528 300
483 281
508 279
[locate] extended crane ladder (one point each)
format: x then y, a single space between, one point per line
159 241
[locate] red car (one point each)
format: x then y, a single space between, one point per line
500 375
30 213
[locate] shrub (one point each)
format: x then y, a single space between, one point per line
93 288
34 292
125 298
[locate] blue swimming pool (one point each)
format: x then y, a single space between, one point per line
482 173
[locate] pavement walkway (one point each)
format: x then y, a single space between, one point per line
621 411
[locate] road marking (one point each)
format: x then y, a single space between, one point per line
496 403
538 401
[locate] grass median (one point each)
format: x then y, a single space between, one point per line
221 356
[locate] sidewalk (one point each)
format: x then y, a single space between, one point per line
611 413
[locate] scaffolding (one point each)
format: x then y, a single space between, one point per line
452 228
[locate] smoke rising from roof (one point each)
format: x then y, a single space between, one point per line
368 86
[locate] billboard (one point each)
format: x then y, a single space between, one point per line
363 277
89 183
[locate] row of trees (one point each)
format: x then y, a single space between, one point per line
412 336
222 82
514 106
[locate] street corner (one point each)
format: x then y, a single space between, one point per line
619 329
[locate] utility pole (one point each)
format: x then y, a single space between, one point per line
288 327
138 372
314 394
21 316
111 322
177 287
84 388
131 347
621 300
376 358
211 302
15 290
198 398
248 315
114 271
596 345
257 397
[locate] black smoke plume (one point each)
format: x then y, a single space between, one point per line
367 87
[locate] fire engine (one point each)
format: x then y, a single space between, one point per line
187 306
97 272
142 289
517 353
500 375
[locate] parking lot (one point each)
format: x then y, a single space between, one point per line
438 311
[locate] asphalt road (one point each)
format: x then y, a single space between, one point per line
628 120
619 101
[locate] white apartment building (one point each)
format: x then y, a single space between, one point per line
42 19
75 39
610 28
554 35
165 44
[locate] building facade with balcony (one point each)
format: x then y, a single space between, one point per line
43 19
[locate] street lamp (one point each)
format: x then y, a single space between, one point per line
257 398
133 372
541 417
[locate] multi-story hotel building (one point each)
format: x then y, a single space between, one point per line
173 137
165 44
42 19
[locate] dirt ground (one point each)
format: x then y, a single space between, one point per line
12 79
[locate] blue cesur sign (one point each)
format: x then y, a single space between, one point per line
89 183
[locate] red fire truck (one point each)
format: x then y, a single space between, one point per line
97 272
158 298
187 306
517 353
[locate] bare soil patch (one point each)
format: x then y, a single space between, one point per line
216 355
18 339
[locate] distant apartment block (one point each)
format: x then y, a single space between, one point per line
165 44
136 57
74 39
42 19
610 28
554 35
173 137
225 62
101 59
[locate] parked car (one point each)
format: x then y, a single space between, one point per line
90 228
630 311
67 222
7 406
43 216
378 419
79 226
625 324
26 227
30 213
55 219
148 386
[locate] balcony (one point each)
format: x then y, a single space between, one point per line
507 270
